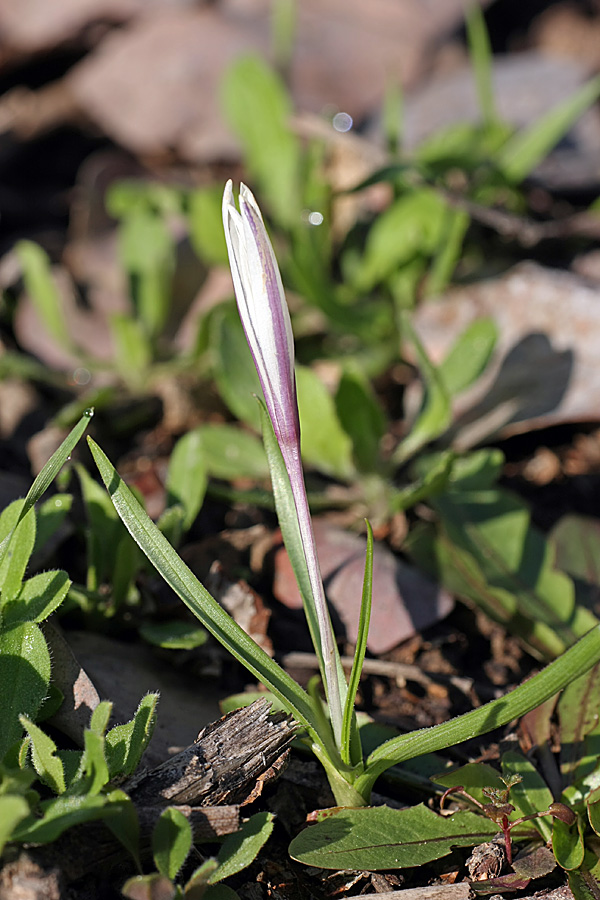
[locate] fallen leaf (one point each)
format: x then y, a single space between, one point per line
545 369
404 601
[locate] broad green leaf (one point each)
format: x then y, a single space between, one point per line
24 676
206 224
43 754
234 370
18 532
186 476
469 356
495 530
531 795
384 838
577 660
576 540
324 443
179 577
258 109
240 849
125 744
68 811
173 635
43 291
229 452
361 417
593 810
38 598
522 152
473 778
13 809
411 226
436 413
567 844
171 842
579 729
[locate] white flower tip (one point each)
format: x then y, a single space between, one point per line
246 196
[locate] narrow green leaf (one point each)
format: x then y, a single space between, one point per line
18 544
577 660
206 224
482 61
522 152
133 352
384 838
349 720
95 773
100 718
125 744
24 676
173 635
147 252
68 811
171 842
43 754
50 471
196 597
240 849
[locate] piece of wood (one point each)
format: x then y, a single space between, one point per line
223 764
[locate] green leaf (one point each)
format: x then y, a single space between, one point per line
234 370
147 253
577 660
125 744
384 838
173 635
171 842
469 356
516 566
38 598
186 476
43 291
100 718
93 763
216 892
24 676
49 473
436 413
522 152
206 225
126 828
240 849
361 417
579 729
43 754
68 811
584 884
349 727
258 110
50 516
567 844
324 442
576 540
473 778
132 350
531 795
230 453
482 61
179 577
13 809
18 534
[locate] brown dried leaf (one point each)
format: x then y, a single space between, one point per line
404 601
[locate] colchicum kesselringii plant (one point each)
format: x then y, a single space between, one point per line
329 727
